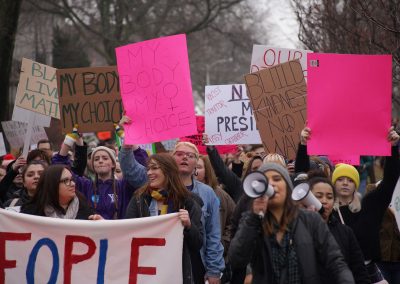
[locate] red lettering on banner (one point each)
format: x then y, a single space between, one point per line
135 269
70 259
5 263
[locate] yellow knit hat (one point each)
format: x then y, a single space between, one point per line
345 170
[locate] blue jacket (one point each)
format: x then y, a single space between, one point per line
212 250
105 193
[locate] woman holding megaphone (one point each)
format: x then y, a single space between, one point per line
286 245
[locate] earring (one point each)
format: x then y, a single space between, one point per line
195 172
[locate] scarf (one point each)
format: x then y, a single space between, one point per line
72 210
162 195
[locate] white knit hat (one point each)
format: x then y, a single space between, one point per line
110 152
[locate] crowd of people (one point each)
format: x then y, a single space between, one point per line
229 237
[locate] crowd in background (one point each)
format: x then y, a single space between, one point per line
229 237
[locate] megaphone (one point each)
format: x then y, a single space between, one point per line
255 185
303 194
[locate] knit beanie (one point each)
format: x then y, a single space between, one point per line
278 168
110 152
345 170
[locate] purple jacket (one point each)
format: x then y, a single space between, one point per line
104 192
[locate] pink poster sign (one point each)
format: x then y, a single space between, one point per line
349 104
197 140
156 89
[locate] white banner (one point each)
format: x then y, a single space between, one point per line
49 250
264 56
229 116
15 133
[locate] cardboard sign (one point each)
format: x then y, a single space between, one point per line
51 250
16 132
156 89
3 150
37 88
89 97
198 139
278 97
24 115
264 56
349 104
351 160
229 116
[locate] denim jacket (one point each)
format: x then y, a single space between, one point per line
212 251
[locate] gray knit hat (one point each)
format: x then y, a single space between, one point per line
278 168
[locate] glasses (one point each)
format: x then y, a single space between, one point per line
189 155
67 181
153 168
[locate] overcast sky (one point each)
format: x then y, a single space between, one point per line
280 23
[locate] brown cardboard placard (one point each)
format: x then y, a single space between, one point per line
37 88
278 97
89 97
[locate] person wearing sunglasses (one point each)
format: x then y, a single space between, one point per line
56 196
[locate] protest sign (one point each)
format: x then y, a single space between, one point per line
229 116
89 97
3 150
278 97
395 203
351 160
23 115
349 104
16 133
50 250
156 89
264 56
37 88
197 139
169 145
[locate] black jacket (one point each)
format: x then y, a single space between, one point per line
232 183
192 265
313 242
366 223
351 251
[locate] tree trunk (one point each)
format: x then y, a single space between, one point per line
9 13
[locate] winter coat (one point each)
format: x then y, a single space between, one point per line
313 243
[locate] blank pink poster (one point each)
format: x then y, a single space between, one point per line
156 89
349 104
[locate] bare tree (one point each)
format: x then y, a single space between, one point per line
116 22
353 26
9 14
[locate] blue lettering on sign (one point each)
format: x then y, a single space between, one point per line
30 270
102 261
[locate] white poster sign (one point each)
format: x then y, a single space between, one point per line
229 116
264 56
16 132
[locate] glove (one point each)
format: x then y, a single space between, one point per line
119 130
70 138
120 134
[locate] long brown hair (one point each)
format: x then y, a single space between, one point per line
177 191
209 175
290 212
